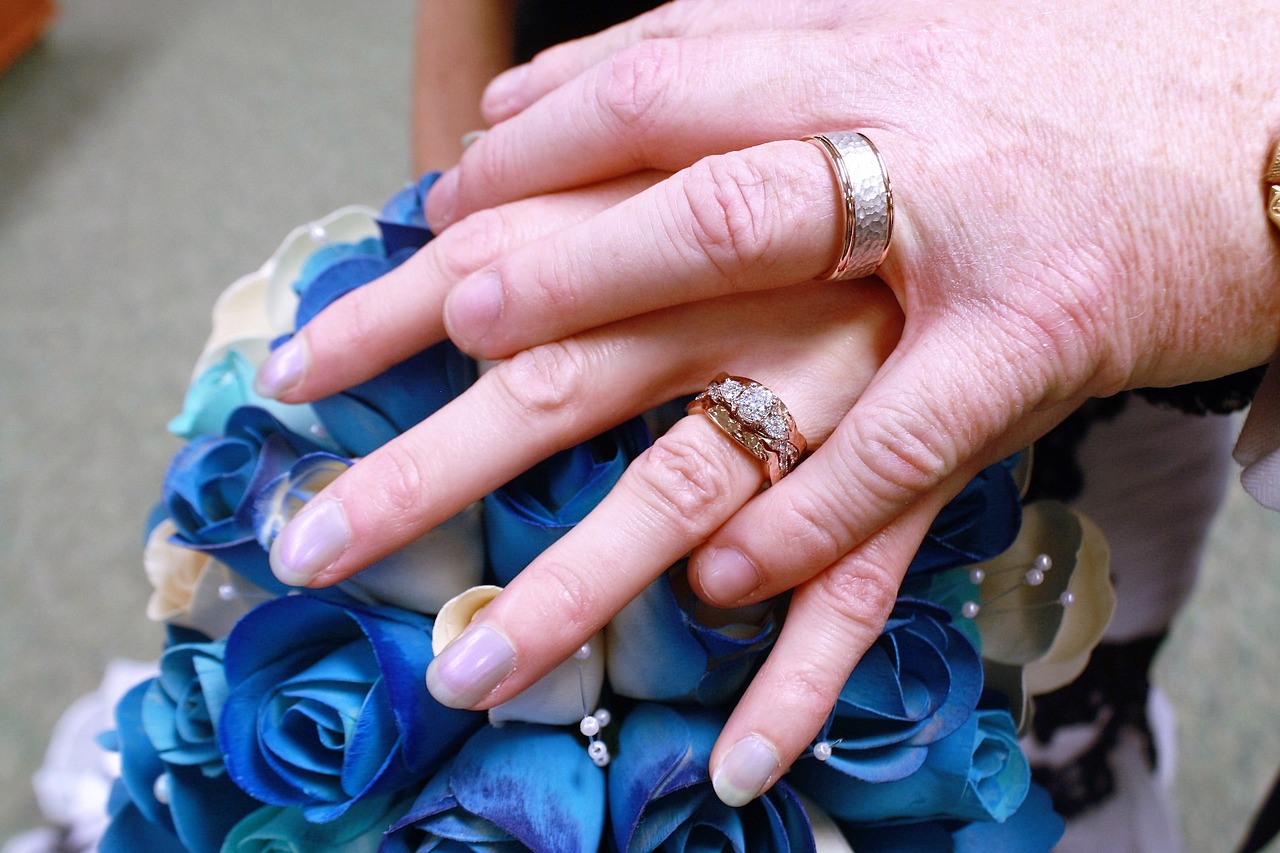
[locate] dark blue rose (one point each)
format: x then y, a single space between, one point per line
523 518
978 772
327 705
1034 828
979 523
660 795
919 682
277 829
521 786
366 416
706 656
160 806
180 709
403 220
213 482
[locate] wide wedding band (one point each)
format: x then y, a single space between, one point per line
866 202
1272 177
756 418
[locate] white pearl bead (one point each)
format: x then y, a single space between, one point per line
603 717
583 652
822 750
1044 562
590 726
977 576
161 788
1035 577
599 753
227 592
969 609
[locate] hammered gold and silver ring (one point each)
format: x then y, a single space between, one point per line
1272 177
866 202
754 417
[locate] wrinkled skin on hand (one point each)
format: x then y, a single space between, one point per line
1079 210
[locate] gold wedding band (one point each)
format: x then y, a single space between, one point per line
1272 177
866 202
756 418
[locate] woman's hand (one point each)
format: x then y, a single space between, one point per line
1078 211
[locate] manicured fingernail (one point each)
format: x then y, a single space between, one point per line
442 200
470 667
473 307
745 771
727 575
310 543
282 370
503 94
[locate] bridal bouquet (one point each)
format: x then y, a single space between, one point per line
288 719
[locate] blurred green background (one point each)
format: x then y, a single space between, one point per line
151 152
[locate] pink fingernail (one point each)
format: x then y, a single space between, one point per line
473 307
442 201
745 771
470 667
726 575
310 543
282 370
503 95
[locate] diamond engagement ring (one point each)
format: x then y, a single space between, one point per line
866 202
755 418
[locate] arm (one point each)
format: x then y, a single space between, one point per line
460 45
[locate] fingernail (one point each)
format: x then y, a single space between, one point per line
745 771
502 95
726 575
442 200
310 543
470 667
282 370
473 307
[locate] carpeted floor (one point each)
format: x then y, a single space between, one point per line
152 151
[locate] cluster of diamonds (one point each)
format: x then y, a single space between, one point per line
761 414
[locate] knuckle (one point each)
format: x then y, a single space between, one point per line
729 209
817 523
684 483
401 484
636 82
812 685
860 594
362 325
546 380
472 243
903 455
571 601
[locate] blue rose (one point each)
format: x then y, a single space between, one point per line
979 523
403 220
521 786
707 654
919 682
978 772
420 576
276 829
213 482
1033 828
161 806
523 518
366 416
224 386
180 709
327 705
660 795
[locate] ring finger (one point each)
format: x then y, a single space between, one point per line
558 395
